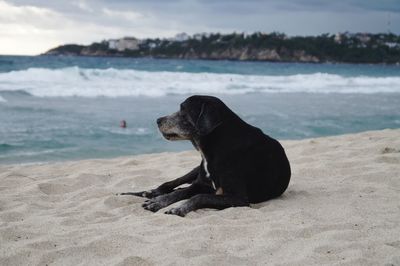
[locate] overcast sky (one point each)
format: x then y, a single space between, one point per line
34 26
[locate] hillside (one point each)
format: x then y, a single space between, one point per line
276 47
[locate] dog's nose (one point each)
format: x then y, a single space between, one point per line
159 120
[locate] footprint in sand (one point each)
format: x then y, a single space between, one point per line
144 177
73 184
134 261
389 159
391 155
53 188
122 201
389 150
129 162
395 244
100 217
12 216
43 245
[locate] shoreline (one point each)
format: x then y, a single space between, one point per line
283 142
207 60
341 207
221 60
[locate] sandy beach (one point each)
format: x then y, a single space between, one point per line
342 207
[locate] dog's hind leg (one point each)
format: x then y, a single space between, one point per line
208 201
168 186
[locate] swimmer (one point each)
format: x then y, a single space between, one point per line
122 124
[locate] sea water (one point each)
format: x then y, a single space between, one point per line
69 108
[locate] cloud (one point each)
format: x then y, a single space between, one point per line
33 26
25 14
127 15
83 5
33 30
19 25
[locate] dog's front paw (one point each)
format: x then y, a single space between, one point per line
177 211
154 204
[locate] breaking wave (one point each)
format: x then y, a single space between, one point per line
75 81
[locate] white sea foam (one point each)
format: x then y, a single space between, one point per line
128 131
2 100
75 81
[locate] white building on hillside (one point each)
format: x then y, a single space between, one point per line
126 43
199 36
180 37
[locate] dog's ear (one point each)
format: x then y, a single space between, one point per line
208 119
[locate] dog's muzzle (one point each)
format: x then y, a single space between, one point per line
161 126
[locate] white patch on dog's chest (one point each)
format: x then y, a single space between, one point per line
205 166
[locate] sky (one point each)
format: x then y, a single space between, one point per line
31 27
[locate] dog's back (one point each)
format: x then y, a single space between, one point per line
252 158
271 170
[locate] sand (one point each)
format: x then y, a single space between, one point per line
342 208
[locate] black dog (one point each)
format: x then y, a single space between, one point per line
240 164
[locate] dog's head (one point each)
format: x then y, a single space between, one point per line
198 116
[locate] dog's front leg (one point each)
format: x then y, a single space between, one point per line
165 200
166 187
208 201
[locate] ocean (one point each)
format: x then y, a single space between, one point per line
69 108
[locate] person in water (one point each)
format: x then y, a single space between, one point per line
122 124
